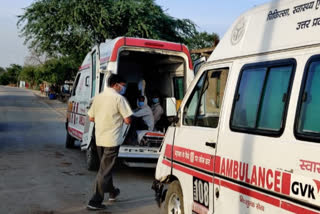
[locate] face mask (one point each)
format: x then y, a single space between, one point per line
123 89
155 100
140 104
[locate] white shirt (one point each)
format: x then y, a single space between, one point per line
157 111
146 113
108 110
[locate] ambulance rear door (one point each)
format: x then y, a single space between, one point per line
94 90
79 100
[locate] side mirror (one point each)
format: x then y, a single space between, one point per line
171 107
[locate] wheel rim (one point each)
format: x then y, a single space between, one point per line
174 206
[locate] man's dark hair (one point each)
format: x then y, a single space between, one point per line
114 79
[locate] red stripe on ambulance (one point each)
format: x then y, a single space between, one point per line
189 171
75 132
272 180
269 179
296 209
193 158
251 193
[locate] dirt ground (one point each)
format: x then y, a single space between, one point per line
38 175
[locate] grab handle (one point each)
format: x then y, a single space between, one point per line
213 145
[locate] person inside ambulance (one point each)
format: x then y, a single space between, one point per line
143 115
142 121
156 108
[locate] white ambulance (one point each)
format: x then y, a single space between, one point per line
248 136
148 66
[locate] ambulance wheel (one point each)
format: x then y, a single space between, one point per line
69 141
174 199
92 158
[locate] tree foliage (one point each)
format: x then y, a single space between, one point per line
4 78
11 75
71 27
14 71
29 73
202 40
64 31
55 71
35 58
2 70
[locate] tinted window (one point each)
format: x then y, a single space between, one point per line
309 104
191 106
178 87
93 89
203 107
74 89
261 98
102 81
273 100
248 98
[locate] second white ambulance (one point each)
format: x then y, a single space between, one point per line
148 66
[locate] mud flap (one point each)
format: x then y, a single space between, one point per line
160 193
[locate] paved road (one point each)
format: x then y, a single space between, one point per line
39 176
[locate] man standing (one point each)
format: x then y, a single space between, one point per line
109 111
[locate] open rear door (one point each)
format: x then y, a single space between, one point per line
89 126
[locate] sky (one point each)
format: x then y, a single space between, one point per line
209 15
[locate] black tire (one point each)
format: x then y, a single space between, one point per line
173 203
69 141
92 157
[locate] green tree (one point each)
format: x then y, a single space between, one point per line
29 74
4 78
202 40
70 28
2 70
13 72
57 70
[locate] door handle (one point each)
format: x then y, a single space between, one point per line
213 145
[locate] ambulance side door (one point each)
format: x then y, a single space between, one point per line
194 148
95 72
94 90
77 104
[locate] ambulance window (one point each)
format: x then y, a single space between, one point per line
308 113
250 89
102 81
261 98
203 107
94 66
192 103
178 87
76 84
